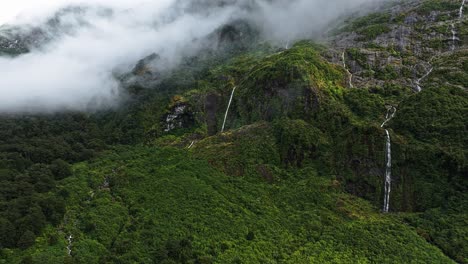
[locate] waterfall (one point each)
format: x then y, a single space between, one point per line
350 75
69 246
454 37
227 110
452 26
388 160
418 82
389 115
191 145
388 173
460 13
287 44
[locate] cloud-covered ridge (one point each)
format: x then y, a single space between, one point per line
82 49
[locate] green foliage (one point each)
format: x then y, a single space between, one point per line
436 115
387 73
359 57
163 206
364 104
373 31
61 169
450 69
33 151
370 26
298 141
372 19
242 151
26 240
281 186
286 83
444 228
438 5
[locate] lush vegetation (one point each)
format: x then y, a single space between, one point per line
296 178
165 206
438 5
370 26
34 154
273 190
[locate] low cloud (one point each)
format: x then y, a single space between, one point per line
87 47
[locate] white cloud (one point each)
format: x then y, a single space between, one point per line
25 10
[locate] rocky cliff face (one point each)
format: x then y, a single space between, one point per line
409 47
344 87
400 45
13 42
310 107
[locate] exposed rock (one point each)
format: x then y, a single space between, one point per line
211 109
179 116
401 55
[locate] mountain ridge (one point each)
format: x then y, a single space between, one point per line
253 153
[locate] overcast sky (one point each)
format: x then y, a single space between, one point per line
9 9
28 9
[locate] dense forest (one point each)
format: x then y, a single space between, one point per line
254 153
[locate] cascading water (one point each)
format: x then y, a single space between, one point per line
460 13
388 173
454 36
389 115
452 26
191 145
69 246
388 160
350 75
418 82
227 110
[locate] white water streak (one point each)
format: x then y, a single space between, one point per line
460 13
389 115
388 173
191 145
388 158
418 82
452 26
350 75
69 246
454 36
227 110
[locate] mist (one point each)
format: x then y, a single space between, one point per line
75 67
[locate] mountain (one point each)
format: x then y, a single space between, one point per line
350 148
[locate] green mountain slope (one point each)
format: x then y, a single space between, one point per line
297 175
165 205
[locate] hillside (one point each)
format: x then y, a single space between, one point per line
254 153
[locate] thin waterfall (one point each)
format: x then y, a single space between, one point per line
460 13
229 106
452 26
388 160
454 36
350 75
69 246
191 145
388 173
389 115
418 82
